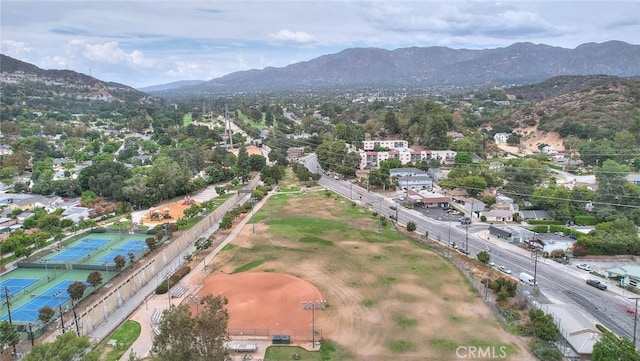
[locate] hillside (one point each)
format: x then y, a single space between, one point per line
54 89
597 111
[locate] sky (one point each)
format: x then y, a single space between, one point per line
142 43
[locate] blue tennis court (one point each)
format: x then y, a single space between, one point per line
53 297
15 285
129 246
79 250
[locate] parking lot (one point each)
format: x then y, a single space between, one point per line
440 214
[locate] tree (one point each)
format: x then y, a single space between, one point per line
66 347
391 123
186 338
132 258
45 314
483 256
243 165
612 348
411 226
543 325
463 158
76 290
151 243
9 335
120 262
94 278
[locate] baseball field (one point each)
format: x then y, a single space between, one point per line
386 297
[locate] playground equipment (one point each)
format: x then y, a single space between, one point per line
155 215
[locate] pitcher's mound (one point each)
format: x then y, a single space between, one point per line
260 300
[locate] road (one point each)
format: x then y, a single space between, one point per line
561 284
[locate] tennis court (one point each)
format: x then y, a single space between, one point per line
79 250
15 285
133 246
53 297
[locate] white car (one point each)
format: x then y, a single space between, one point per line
491 263
504 269
584 266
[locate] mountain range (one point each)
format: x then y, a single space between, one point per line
436 68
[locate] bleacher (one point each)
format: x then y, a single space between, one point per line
155 329
241 347
156 317
178 290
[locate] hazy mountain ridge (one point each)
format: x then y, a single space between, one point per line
416 67
169 86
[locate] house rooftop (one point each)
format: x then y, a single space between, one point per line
626 270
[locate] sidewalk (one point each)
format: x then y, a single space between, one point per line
158 303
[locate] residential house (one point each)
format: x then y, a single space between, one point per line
472 205
535 214
576 329
76 214
406 172
295 152
30 202
633 178
501 137
415 182
497 215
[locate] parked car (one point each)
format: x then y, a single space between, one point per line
465 221
597 284
463 251
491 263
504 269
584 266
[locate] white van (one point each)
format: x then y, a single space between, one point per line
527 278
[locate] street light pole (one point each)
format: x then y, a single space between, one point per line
313 306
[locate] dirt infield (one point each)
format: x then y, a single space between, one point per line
263 300
173 210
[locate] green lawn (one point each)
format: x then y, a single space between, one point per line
281 353
186 120
125 335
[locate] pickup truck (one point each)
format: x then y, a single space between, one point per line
597 284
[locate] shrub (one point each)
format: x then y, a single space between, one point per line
411 226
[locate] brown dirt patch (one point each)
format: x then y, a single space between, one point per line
261 300
173 210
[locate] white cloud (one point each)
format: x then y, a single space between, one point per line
288 37
108 52
16 49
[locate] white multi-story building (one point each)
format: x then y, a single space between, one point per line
391 144
372 159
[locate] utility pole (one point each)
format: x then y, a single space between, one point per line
61 318
635 324
6 296
75 318
449 239
466 238
535 262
